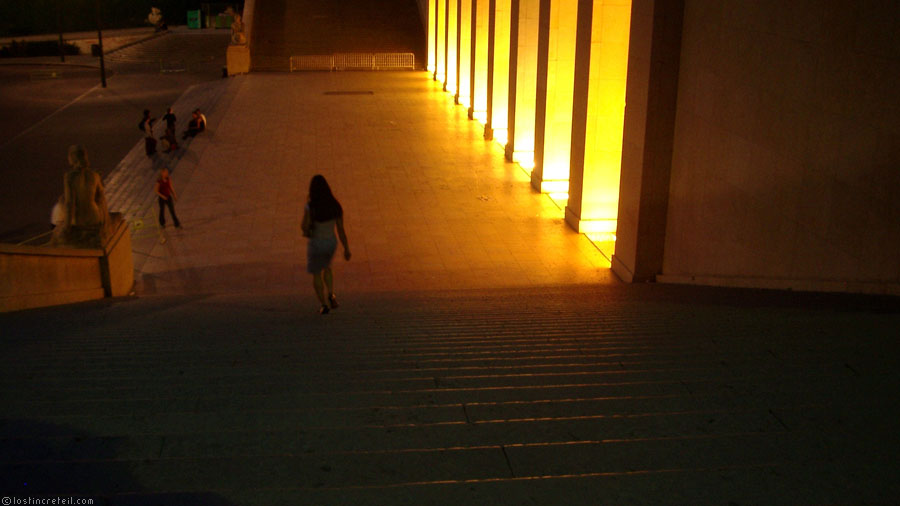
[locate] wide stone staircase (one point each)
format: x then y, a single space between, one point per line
554 395
283 29
179 50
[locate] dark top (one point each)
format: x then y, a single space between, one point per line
165 187
170 120
197 124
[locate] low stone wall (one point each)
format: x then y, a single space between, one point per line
113 40
238 59
37 276
111 44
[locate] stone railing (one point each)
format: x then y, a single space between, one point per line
36 276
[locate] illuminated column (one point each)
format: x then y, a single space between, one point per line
452 9
432 36
464 72
478 79
651 93
497 124
522 81
553 106
440 70
601 65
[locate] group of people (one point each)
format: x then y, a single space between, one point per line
168 142
81 210
83 205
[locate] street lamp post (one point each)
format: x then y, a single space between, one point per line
62 47
100 44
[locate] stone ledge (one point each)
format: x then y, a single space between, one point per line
238 59
800 285
37 276
15 249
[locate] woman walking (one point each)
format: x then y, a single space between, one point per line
323 213
166 197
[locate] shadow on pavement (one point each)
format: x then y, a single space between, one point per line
43 460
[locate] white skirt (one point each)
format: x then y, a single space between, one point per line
319 253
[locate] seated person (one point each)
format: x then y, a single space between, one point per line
196 125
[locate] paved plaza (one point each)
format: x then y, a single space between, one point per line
482 354
429 204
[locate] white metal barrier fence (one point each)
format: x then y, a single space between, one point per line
354 61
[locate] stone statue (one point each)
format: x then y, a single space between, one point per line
237 31
87 220
155 16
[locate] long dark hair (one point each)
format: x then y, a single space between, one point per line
322 204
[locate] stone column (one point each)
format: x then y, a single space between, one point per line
553 102
651 93
601 65
522 81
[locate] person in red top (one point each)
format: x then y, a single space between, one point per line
166 193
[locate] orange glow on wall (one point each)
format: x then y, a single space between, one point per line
498 115
522 126
595 207
565 127
465 52
432 34
452 21
440 72
557 128
480 38
525 159
501 136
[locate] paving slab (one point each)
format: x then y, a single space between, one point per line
428 203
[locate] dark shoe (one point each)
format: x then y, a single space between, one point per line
323 309
333 301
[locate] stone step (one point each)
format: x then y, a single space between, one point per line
393 394
175 47
301 470
129 187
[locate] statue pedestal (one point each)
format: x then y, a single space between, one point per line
37 276
238 59
117 264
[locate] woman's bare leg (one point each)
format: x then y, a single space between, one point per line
319 287
329 281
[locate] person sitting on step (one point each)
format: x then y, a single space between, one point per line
196 125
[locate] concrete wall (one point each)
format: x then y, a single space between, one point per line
786 157
423 13
36 276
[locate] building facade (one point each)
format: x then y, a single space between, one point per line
729 143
